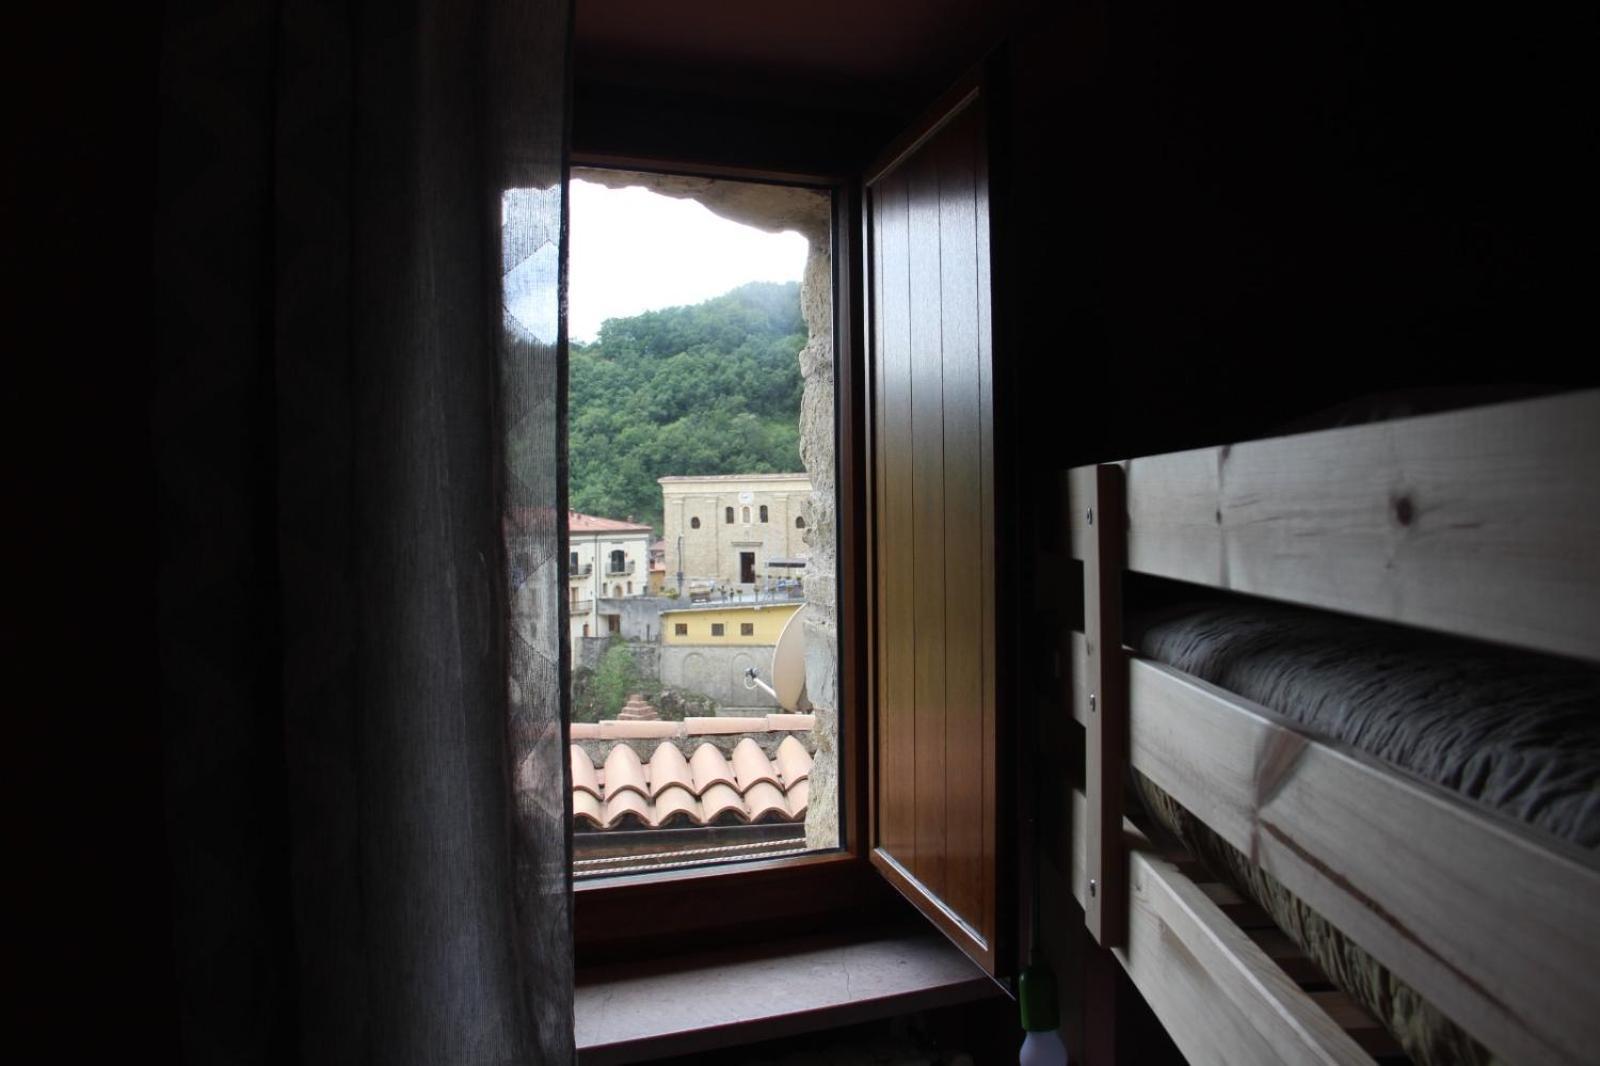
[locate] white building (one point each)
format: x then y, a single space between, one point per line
606 560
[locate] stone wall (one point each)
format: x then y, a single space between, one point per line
718 671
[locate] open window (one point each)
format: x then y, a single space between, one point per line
923 781
700 381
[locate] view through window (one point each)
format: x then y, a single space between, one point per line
701 573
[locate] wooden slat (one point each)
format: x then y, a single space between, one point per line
966 857
1219 996
924 534
1480 522
1494 929
896 708
1106 744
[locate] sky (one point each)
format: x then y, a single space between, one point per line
633 250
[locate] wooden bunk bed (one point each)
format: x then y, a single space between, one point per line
1481 524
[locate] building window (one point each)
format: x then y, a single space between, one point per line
586 629
613 624
763 514
747 629
745 517
716 629
799 521
616 592
727 516
694 523
630 588
618 561
572 560
680 629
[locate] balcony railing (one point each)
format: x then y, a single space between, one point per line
580 571
577 607
613 570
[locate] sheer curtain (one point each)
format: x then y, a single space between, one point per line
359 451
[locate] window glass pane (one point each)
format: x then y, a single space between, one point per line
700 387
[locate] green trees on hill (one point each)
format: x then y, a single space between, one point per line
708 389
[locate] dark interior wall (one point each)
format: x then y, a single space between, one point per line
1228 217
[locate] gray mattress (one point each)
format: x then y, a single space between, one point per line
1517 732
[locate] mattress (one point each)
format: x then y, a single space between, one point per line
1516 733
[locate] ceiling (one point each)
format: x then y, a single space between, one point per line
878 54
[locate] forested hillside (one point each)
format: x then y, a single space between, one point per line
708 389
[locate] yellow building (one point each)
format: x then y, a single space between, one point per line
727 624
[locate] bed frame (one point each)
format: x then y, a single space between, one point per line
1483 523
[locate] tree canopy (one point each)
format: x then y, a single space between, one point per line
708 389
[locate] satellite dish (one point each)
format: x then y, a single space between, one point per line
789 663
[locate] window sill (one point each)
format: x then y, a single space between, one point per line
722 999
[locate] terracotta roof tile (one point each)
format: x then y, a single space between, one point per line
709 767
668 768
624 773
751 766
584 778
677 805
799 797
766 803
706 788
627 810
794 762
587 810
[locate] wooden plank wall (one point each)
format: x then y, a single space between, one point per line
934 532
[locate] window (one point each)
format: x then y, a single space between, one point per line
618 561
613 624
572 560
799 521
586 629
658 463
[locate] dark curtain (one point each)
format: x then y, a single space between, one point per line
359 455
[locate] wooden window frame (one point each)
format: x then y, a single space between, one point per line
747 629
718 629
640 916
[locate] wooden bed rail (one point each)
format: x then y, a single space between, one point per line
1483 522
1497 930
1105 672
1220 996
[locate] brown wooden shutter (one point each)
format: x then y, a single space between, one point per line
934 820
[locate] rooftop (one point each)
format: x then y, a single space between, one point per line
703 789
578 522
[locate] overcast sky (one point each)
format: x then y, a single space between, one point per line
634 251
